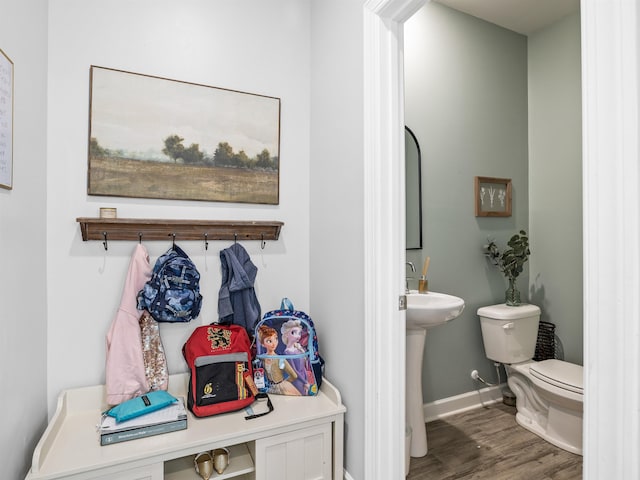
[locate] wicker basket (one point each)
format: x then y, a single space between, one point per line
546 343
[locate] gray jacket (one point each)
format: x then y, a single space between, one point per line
237 301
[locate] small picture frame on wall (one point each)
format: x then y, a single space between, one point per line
493 197
6 121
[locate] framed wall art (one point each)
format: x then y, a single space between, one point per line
493 197
153 137
6 121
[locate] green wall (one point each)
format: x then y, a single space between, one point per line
555 180
485 101
466 101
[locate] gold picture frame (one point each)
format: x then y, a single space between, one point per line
492 197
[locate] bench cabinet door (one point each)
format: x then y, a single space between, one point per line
298 455
150 472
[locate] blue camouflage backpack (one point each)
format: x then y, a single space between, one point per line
173 292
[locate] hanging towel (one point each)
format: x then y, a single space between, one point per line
125 370
237 301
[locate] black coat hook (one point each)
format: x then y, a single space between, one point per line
140 237
262 242
174 240
235 238
104 242
206 241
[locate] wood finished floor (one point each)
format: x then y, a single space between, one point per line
488 444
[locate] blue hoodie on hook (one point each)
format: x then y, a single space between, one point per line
237 300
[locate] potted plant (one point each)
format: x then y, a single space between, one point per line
510 262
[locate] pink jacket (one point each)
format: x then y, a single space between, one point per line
125 372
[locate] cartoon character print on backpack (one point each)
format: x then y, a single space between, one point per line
173 292
279 373
292 335
287 358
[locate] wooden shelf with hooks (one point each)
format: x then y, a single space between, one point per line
160 229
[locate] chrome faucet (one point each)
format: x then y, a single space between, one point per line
406 281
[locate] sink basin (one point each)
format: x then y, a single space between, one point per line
427 310
424 311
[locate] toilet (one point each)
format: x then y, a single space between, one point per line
548 393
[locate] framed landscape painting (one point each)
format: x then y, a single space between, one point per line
153 137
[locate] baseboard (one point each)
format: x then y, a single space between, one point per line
463 402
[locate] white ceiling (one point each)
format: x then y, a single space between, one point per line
522 16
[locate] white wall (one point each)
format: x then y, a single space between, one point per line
555 179
337 207
23 236
253 46
466 102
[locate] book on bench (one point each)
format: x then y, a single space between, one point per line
168 419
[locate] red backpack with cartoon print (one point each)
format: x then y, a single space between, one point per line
221 375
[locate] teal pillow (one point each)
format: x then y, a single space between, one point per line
147 403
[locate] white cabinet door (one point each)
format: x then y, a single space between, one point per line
150 472
298 455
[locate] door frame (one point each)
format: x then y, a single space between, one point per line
384 242
611 236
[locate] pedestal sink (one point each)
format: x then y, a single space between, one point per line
424 311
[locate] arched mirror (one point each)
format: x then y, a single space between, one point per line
413 177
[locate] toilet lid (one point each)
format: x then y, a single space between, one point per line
561 374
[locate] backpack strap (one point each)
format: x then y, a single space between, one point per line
269 406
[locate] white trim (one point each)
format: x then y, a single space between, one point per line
398 11
384 253
610 49
462 403
384 408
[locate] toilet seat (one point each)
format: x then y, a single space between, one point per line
564 375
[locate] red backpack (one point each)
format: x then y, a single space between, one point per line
221 375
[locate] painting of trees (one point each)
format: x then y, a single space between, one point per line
152 137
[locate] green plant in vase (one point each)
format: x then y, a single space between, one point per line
510 262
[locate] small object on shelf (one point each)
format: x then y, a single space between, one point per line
108 212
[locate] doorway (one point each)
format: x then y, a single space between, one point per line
612 217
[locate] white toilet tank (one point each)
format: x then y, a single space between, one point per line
509 333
